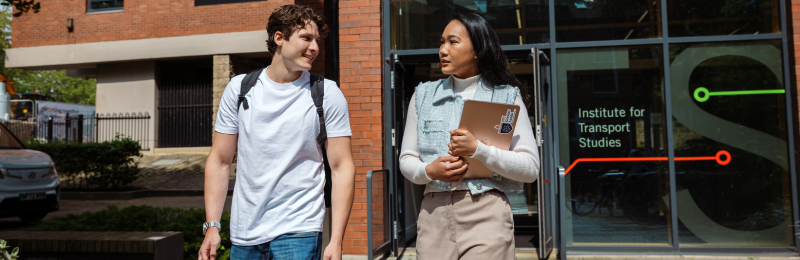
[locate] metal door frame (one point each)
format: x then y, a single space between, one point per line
394 66
664 41
547 181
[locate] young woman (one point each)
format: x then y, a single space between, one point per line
466 218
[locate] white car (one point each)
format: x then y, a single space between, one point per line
29 184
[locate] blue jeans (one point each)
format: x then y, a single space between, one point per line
302 246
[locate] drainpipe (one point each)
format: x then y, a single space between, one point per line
331 73
332 46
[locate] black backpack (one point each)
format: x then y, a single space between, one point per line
317 94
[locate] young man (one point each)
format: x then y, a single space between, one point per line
278 203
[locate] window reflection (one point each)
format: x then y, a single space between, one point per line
105 5
419 24
746 202
722 17
610 101
598 20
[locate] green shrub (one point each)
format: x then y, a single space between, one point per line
5 255
146 219
106 165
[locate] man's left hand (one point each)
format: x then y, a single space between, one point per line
462 143
333 252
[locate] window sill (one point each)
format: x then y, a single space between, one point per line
106 11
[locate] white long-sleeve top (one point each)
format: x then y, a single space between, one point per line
519 163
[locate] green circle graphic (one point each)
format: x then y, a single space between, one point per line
705 97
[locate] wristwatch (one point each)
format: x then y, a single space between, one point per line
211 224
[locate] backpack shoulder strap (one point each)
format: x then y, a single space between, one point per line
318 95
247 83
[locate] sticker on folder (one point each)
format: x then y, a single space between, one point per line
506 121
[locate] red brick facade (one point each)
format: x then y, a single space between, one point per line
360 59
361 82
141 19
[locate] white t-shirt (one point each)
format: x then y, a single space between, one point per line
280 176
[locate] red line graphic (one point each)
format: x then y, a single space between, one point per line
717 157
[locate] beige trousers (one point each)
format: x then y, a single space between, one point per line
459 225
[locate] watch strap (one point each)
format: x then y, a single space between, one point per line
211 224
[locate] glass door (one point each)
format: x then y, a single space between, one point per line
404 205
525 206
547 173
408 72
533 209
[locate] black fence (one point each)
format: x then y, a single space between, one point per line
85 128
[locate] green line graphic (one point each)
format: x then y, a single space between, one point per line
707 94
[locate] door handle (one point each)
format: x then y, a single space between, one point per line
395 60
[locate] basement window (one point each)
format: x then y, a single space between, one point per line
96 6
219 2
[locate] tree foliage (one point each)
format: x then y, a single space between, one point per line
22 6
51 82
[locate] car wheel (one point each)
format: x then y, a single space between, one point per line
28 218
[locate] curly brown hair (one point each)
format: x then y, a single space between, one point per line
289 18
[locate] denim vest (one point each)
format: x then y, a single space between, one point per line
439 111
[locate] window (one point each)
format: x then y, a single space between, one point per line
419 24
607 20
612 108
219 2
728 98
105 5
722 17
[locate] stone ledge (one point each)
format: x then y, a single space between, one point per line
90 245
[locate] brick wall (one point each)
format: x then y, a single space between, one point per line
141 19
361 82
359 60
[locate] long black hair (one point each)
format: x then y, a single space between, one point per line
492 61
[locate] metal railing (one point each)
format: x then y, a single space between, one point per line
382 179
84 128
135 126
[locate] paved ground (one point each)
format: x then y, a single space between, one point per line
173 171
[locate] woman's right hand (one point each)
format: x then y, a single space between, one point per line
447 168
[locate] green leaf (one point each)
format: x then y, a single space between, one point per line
15 251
